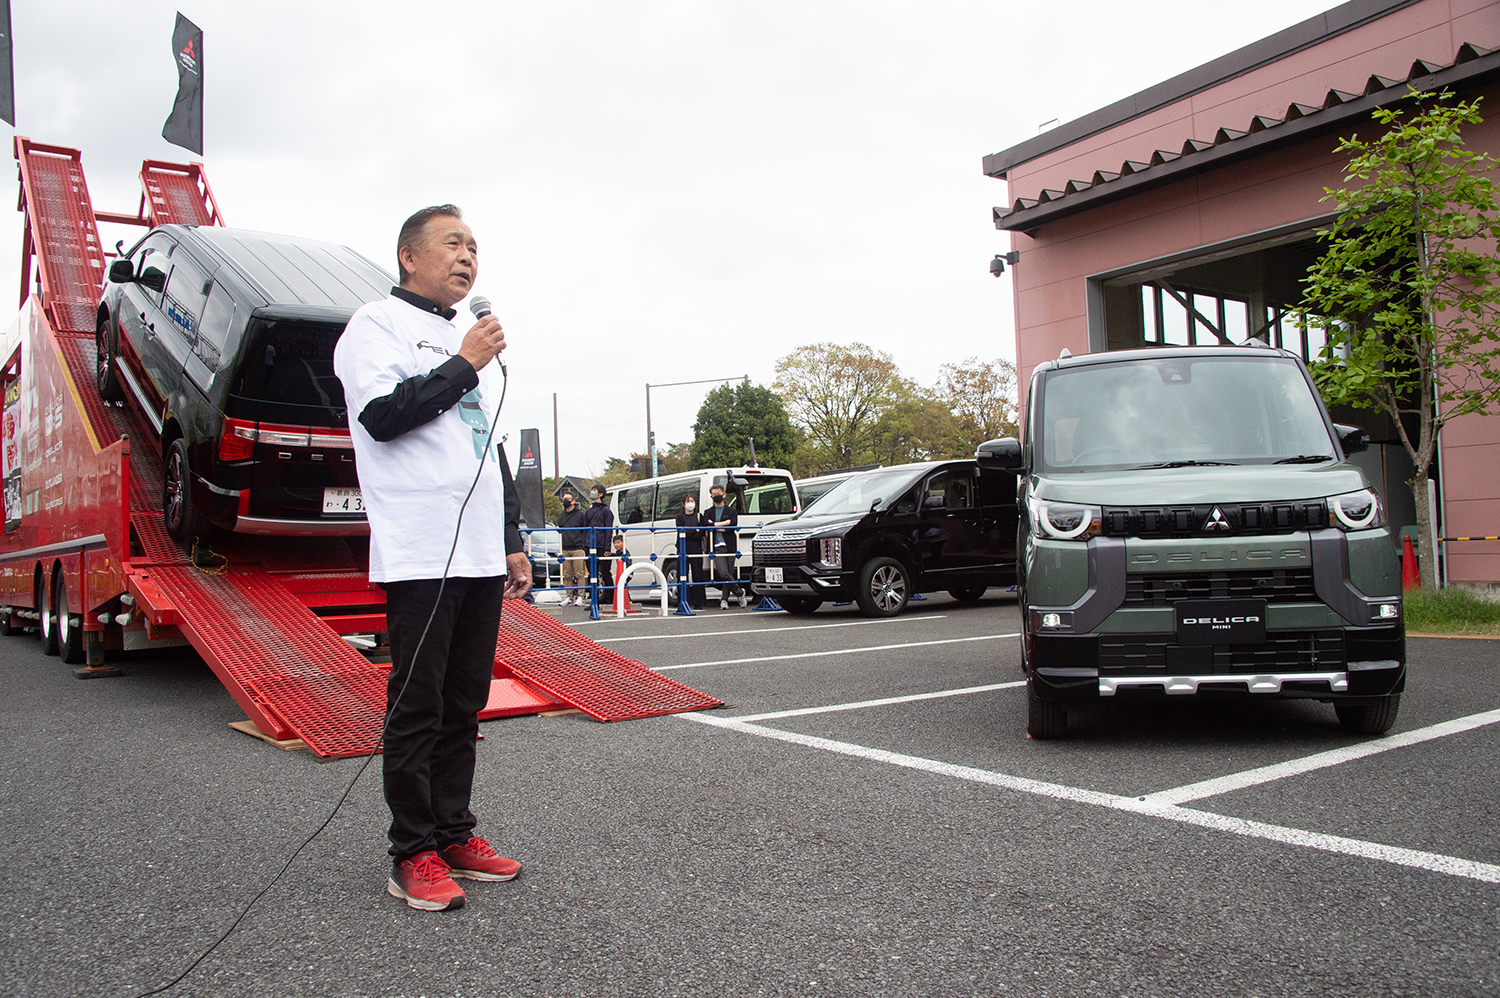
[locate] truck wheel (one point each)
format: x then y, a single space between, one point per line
969 595
69 634
183 521
104 365
1369 719
46 617
10 624
883 587
1044 718
800 605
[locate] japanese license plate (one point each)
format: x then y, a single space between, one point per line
1221 621
773 575
343 501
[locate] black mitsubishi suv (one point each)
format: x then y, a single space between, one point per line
880 537
223 340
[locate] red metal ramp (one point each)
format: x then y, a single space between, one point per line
605 685
62 233
291 673
177 193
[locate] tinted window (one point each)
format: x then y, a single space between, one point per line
635 504
290 364
214 327
186 295
151 264
670 495
955 486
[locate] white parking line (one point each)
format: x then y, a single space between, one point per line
763 630
1433 862
1306 764
884 701
838 651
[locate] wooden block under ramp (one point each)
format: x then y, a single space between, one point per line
285 744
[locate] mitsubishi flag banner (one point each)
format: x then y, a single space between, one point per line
529 479
185 126
7 68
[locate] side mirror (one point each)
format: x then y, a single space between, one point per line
1003 454
1352 438
120 272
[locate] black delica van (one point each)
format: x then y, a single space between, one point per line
223 339
880 537
1190 527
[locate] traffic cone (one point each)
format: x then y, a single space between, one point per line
1411 577
622 597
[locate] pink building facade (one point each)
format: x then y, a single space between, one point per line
1188 213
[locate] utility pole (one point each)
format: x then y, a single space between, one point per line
556 460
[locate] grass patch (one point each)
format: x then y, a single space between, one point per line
1451 611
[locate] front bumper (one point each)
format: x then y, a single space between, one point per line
805 580
1324 663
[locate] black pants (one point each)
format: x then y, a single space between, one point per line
606 574
431 733
696 574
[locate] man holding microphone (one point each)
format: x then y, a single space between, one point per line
422 399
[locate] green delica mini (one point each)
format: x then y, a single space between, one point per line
1190 527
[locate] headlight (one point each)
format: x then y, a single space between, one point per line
1356 510
832 552
1064 521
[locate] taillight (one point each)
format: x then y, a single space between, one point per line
237 443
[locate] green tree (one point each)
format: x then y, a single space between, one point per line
730 416
916 425
837 394
1406 287
982 398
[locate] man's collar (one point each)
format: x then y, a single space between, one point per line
425 304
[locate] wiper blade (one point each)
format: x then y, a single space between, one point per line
1183 464
1305 459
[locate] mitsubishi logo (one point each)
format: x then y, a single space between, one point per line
1216 521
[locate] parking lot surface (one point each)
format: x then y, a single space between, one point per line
867 817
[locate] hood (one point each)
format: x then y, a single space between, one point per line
1249 483
809 526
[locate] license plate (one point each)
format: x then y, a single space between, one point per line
1221 621
773 575
343 501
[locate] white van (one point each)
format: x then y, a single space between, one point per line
759 495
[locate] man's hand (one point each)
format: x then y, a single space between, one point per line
482 342
517 575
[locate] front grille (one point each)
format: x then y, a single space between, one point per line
1280 585
1214 519
780 552
1282 651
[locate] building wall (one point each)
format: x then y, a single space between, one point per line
1279 188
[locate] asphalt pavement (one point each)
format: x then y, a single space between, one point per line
889 831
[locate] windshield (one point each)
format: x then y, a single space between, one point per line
1178 411
858 494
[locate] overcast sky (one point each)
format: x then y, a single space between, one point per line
662 191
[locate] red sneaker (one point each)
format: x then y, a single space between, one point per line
426 883
477 860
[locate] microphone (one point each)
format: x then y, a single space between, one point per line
480 306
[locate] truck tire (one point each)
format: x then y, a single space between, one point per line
69 633
46 616
884 587
1369 719
799 605
1044 718
10 624
182 520
105 375
969 595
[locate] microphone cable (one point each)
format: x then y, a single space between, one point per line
437 601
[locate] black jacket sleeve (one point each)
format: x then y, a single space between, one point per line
420 400
513 543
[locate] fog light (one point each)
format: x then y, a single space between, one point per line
1388 611
1051 620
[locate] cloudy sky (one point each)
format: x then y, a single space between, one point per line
662 191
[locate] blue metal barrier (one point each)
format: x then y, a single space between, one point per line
595 586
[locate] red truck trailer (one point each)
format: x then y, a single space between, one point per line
86 561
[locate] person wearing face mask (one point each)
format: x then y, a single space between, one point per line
724 543
575 543
692 544
602 519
